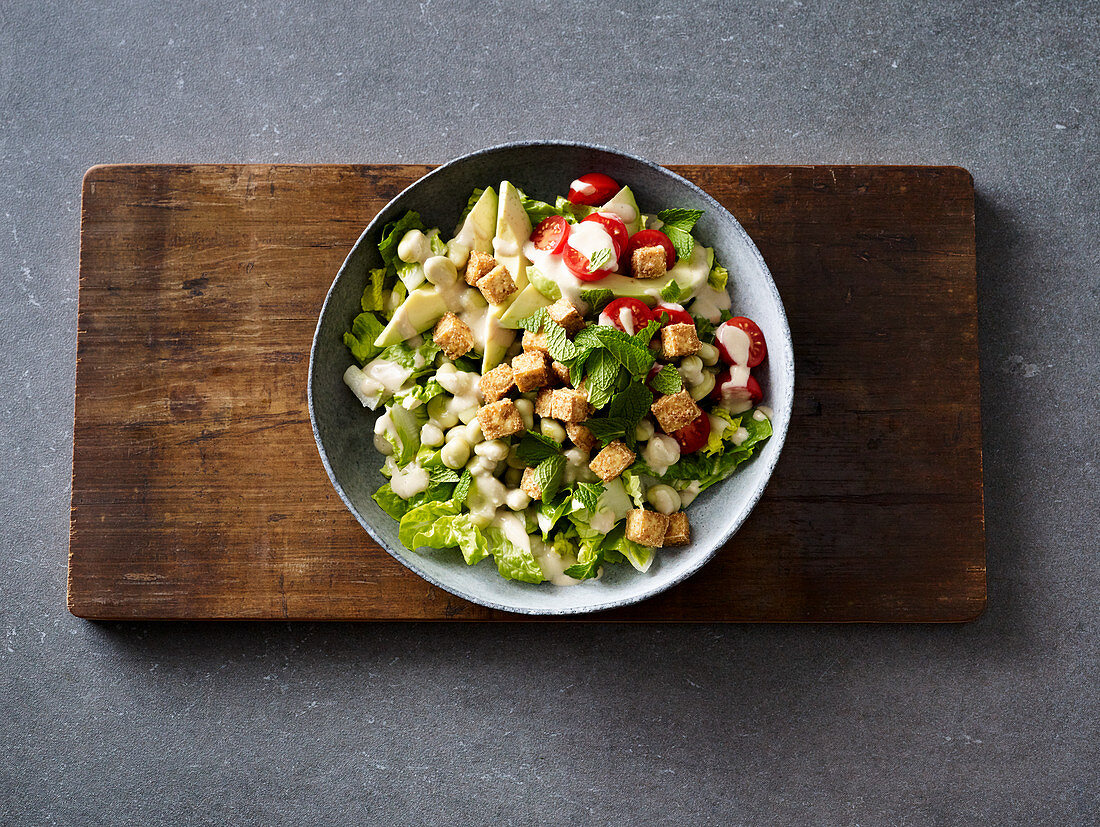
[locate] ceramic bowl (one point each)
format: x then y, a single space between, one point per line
344 429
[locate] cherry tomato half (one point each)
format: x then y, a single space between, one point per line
694 435
652 238
668 314
637 309
593 189
750 392
550 234
758 348
580 266
615 228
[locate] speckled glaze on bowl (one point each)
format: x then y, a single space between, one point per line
344 429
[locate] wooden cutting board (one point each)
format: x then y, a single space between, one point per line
198 491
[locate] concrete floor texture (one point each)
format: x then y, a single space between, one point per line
993 722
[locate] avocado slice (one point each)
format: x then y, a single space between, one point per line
625 206
523 305
476 232
496 338
689 275
421 309
513 230
544 284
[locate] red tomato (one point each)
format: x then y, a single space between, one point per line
637 309
758 348
668 314
580 266
551 234
593 189
652 238
615 228
751 392
694 436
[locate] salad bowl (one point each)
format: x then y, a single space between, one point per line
344 430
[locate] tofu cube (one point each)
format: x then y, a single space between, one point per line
646 528
612 461
561 371
529 485
648 263
535 341
678 532
564 313
675 412
531 370
569 405
453 335
499 419
542 402
478 265
496 384
679 340
581 436
496 285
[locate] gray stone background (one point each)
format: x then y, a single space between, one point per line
995 722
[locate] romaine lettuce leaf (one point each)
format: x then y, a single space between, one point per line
392 234
718 277
441 525
572 212
417 395
714 468
513 563
365 328
537 210
421 360
396 507
374 298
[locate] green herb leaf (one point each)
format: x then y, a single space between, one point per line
588 494
462 490
597 298
442 473
557 342
703 326
548 476
393 232
607 430
599 259
584 571
671 292
632 404
534 447
534 322
599 381
644 335
667 381
677 226
632 355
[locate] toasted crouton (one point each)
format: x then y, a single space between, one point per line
569 405
675 411
648 263
535 341
496 285
499 419
478 265
679 340
561 371
453 335
531 370
564 313
496 384
646 528
542 402
678 532
612 461
530 485
581 436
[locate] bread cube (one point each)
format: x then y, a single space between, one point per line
496 384
648 263
529 484
678 532
453 335
499 419
531 370
569 405
478 265
564 313
675 412
496 285
542 402
535 341
646 528
679 340
561 371
581 436
612 461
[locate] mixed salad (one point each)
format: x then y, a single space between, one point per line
559 381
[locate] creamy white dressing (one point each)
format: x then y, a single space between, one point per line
739 436
763 412
582 187
736 342
710 302
622 210
505 247
661 452
408 481
588 237
552 267
368 391
470 234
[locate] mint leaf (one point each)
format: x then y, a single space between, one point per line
644 335
588 494
462 490
557 342
599 381
607 430
533 448
548 476
667 381
703 326
677 226
534 322
632 355
671 292
576 367
631 405
584 571
597 298
599 259
681 241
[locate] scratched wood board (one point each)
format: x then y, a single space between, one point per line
198 491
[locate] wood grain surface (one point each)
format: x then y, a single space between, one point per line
198 491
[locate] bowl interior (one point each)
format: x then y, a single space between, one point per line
344 429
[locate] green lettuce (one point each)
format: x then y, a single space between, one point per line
718 277
397 507
514 563
420 360
442 525
417 395
392 234
709 469
365 328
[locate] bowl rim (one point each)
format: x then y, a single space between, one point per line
778 437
